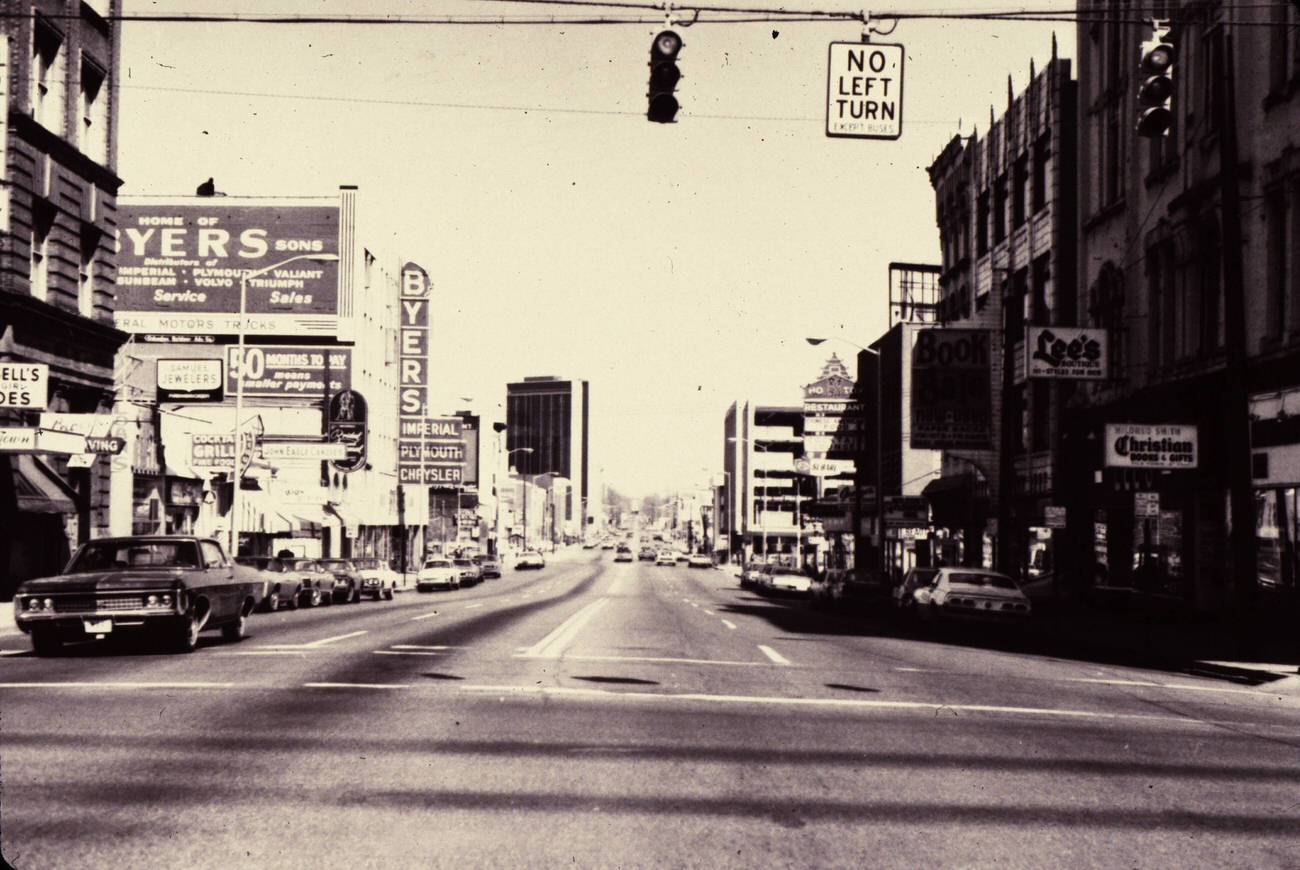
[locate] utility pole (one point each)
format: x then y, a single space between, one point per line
1236 396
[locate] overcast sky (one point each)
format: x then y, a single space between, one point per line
677 267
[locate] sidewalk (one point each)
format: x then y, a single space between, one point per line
1257 650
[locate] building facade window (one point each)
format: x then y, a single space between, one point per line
1211 66
1161 303
982 225
1275 300
86 281
40 259
48 75
1042 154
1000 209
1106 311
1020 179
1040 310
93 111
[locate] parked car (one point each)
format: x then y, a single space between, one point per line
750 574
471 574
787 579
438 573
971 595
490 565
666 558
530 559
699 560
346 585
646 554
623 554
377 579
607 545
849 588
174 586
904 594
281 587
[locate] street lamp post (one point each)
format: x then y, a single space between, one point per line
237 474
880 488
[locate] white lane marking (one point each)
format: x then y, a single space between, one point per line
325 640
419 646
405 652
118 685
262 652
919 670
467 606
706 610
551 645
693 604
429 615
580 658
930 707
774 655
729 624
13 652
355 686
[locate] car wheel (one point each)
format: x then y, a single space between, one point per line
233 632
354 595
292 601
327 598
314 600
273 601
45 642
388 594
187 634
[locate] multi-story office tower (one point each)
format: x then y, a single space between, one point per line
548 416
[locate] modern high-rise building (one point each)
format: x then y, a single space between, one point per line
549 416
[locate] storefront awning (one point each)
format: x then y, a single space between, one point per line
39 489
304 520
957 500
258 514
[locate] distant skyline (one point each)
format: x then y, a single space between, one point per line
675 267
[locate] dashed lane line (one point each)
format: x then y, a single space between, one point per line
729 624
658 659
773 655
356 685
429 615
472 606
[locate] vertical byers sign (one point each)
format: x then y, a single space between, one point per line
413 374
864 91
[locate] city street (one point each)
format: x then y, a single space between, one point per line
595 714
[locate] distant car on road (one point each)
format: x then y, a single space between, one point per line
173 586
904 594
490 565
530 559
666 558
699 560
623 554
646 554
437 574
971 595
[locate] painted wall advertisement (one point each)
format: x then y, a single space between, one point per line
952 406
1139 445
180 264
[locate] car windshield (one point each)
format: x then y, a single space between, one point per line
337 564
463 563
785 572
303 565
109 555
366 563
923 576
437 563
972 578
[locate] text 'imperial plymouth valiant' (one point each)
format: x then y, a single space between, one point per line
170 585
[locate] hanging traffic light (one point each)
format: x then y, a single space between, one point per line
664 75
1156 83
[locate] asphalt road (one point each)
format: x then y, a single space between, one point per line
611 715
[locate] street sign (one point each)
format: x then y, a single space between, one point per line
189 380
864 91
304 450
1054 516
1146 504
